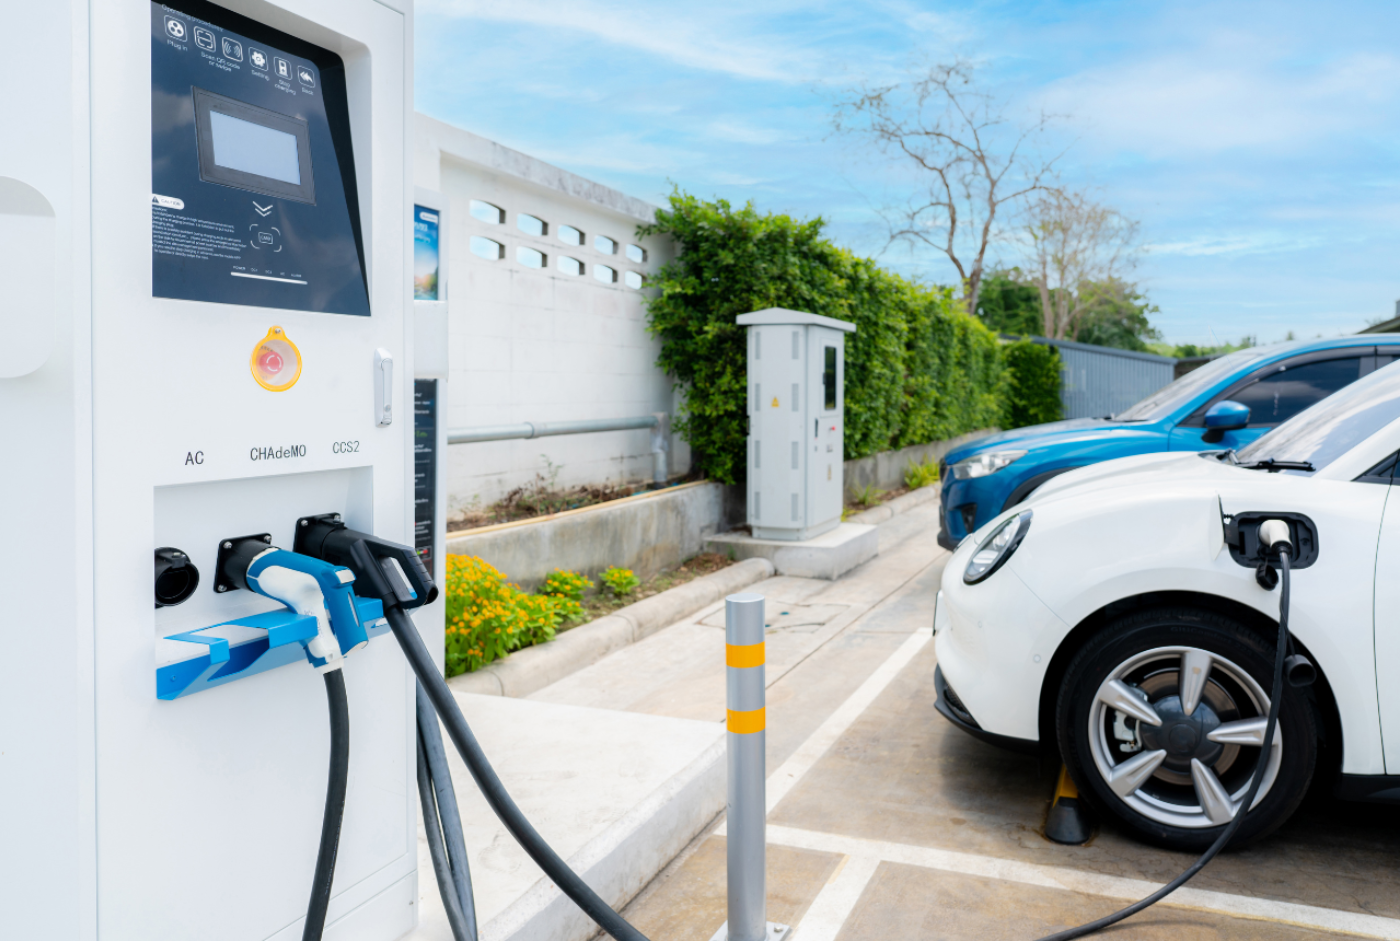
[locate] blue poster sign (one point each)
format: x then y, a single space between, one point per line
425 254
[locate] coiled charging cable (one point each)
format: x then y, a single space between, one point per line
1273 534
443 824
435 687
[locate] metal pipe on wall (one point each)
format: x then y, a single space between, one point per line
656 421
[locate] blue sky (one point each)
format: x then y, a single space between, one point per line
1257 143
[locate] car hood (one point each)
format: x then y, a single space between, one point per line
1150 470
1075 431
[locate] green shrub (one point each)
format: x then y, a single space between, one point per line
621 582
866 496
920 475
565 584
487 617
918 368
567 589
1032 392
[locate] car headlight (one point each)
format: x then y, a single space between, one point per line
984 464
997 548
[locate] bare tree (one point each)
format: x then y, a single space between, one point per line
1076 243
976 162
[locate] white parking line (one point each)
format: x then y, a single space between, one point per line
837 899
780 782
1057 877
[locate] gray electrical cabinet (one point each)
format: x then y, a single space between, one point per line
796 402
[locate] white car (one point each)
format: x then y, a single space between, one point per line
1069 621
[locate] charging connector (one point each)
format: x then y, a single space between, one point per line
307 585
318 589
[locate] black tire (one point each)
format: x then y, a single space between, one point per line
1084 729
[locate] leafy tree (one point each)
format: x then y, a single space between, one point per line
1076 242
1010 304
917 368
1115 313
1032 392
1191 350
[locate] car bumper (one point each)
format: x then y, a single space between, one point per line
945 540
951 708
994 642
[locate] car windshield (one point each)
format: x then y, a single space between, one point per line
1166 399
1323 433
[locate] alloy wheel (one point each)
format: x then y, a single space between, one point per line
1176 733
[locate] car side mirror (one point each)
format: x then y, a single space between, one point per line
1222 417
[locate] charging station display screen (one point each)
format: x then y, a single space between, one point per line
253 196
253 148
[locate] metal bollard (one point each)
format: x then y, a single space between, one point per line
747 807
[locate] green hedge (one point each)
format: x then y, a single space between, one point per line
918 368
1032 392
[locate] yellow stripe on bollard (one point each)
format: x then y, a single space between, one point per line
743 655
745 722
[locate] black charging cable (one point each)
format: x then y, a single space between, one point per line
491 787
443 824
1275 700
339 777
394 574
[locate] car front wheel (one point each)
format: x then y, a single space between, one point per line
1160 719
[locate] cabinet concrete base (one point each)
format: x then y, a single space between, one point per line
829 555
784 534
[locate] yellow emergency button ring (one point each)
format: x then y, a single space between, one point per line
276 362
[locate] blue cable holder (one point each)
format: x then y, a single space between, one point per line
225 661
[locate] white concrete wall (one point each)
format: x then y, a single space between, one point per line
529 344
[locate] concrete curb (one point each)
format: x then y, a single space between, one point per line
620 861
534 668
828 556
900 504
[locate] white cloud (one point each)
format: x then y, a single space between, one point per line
741 133
708 37
1206 245
1229 91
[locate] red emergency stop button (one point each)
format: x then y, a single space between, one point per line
276 362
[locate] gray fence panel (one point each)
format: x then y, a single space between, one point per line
1097 381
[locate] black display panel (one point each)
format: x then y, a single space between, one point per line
252 148
424 468
253 195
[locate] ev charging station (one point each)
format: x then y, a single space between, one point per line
797 373
208 207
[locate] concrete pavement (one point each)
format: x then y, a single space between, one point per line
636 729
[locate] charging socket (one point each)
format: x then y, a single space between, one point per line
1242 538
235 555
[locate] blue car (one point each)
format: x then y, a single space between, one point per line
1226 403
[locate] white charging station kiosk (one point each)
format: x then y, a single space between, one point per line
796 379
205 288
